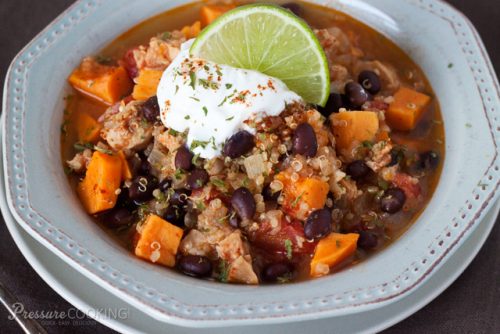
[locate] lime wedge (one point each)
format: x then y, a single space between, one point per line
271 40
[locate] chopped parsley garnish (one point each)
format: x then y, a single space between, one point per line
223 271
199 143
219 73
367 144
103 150
450 65
296 200
208 84
230 118
468 125
178 174
194 98
205 110
218 183
195 159
187 117
288 248
176 89
165 36
173 132
83 146
192 76
223 101
228 86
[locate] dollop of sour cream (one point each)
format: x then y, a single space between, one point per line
212 102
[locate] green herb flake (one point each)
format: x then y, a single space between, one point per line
172 132
450 65
82 146
194 98
230 118
166 35
176 89
383 184
296 200
187 117
103 150
223 271
104 60
223 101
288 248
192 77
205 110
468 125
218 183
208 84
178 174
228 86
367 144
199 143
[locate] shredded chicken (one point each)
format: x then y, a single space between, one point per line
126 129
160 52
380 156
80 161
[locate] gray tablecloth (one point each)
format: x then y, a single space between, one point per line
470 305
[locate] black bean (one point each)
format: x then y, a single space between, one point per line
119 217
318 224
179 197
144 168
367 240
165 185
239 144
243 203
175 215
370 82
335 102
356 94
195 265
358 170
276 271
124 201
197 179
184 158
429 160
304 141
234 220
269 195
150 109
393 200
142 187
293 7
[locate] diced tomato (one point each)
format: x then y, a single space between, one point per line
407 183
128 61
276 241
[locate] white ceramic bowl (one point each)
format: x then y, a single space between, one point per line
434 34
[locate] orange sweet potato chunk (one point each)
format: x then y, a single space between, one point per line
331 251
146 84
126 171
97 191
88 128
351 128
108 84
407 109
158 241
209 13
192 31
311 191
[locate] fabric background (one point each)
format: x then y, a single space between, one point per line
470 305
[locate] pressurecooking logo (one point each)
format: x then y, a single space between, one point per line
72 316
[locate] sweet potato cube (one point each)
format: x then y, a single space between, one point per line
407 109
310 191
146 84
126 171
158 241
88 128
351 128
192 31
108 84
209 13
97 191
331 251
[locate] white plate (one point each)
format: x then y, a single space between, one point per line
89 297
36 184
